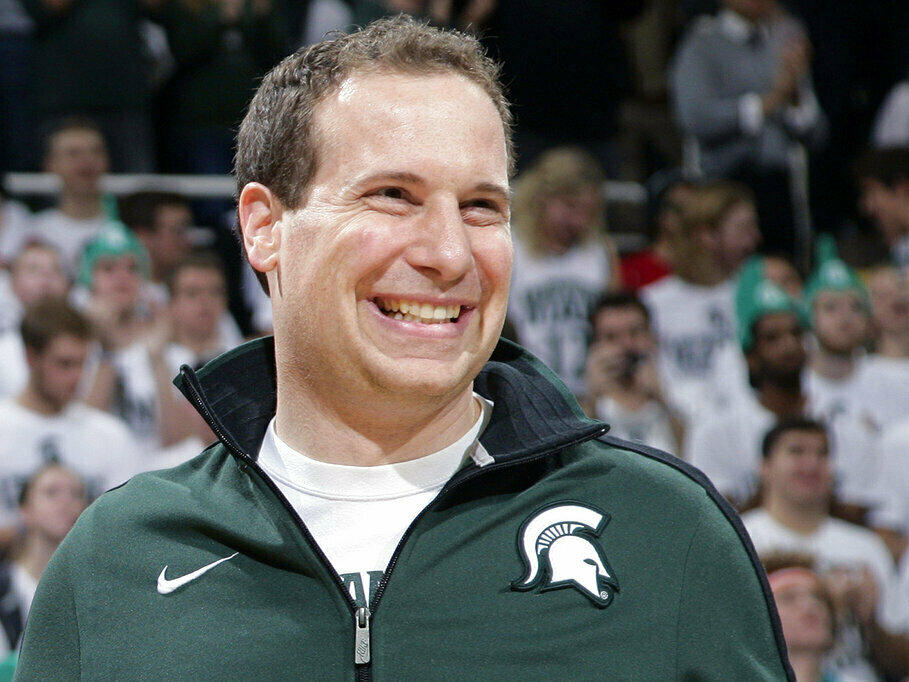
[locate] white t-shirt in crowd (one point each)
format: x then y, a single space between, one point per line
21 593
13 366
691 324
726 445
68 235
550 304
135 398
837 545
16 227
10 305
95 445
650 425
894 510
358 515
876 392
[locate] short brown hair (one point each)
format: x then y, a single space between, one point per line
48 319
139 211
202 260
276 145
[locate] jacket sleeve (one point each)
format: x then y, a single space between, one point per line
727 626
51 646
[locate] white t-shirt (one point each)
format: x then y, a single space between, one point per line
726 445
135 398
876 392
16 227
837 544
691 323
650 425
358 515
68 235
894 509
94 444
13 366
550 304
10 305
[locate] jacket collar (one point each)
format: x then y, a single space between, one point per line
533 411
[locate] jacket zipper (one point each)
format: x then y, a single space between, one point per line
362 615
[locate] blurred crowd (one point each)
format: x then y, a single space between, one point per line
750 316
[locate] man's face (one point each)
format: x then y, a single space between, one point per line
625 329
168 244
79 157
890 301
55 500
804 613
797 470
888 207
840 321
38 274
198 301
778 352
116 281
737 235
55 372
783 273
409 208
566 218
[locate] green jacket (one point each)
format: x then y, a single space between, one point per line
571 556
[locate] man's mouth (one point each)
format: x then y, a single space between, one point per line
414 311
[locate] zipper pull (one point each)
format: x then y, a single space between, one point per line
361 643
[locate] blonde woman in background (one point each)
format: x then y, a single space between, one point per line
563 259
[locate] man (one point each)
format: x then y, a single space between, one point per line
36 273
883 176
725 443
76 153
622 375
839 377
353 516
743 97
161 221
794 516
44 423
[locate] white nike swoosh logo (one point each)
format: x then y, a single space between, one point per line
166 586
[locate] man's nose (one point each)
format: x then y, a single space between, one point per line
441 247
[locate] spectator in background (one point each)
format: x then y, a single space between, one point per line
35 275
90 60
692 308
51 500
838 378
807 615
743 97
725 442
884 182
563 259
889 291
221 48
77 154
666 194
794 516
45 423
623 382
162 221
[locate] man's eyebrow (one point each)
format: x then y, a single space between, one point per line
414 179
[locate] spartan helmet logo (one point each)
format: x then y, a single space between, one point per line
559 549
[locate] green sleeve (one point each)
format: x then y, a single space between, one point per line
50 646
727 628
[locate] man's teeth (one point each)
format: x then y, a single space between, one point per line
419 312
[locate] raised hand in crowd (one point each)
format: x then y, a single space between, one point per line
794 62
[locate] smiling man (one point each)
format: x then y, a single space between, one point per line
396 493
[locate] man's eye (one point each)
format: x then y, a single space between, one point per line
391 193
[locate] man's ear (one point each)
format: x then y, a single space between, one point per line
260 213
